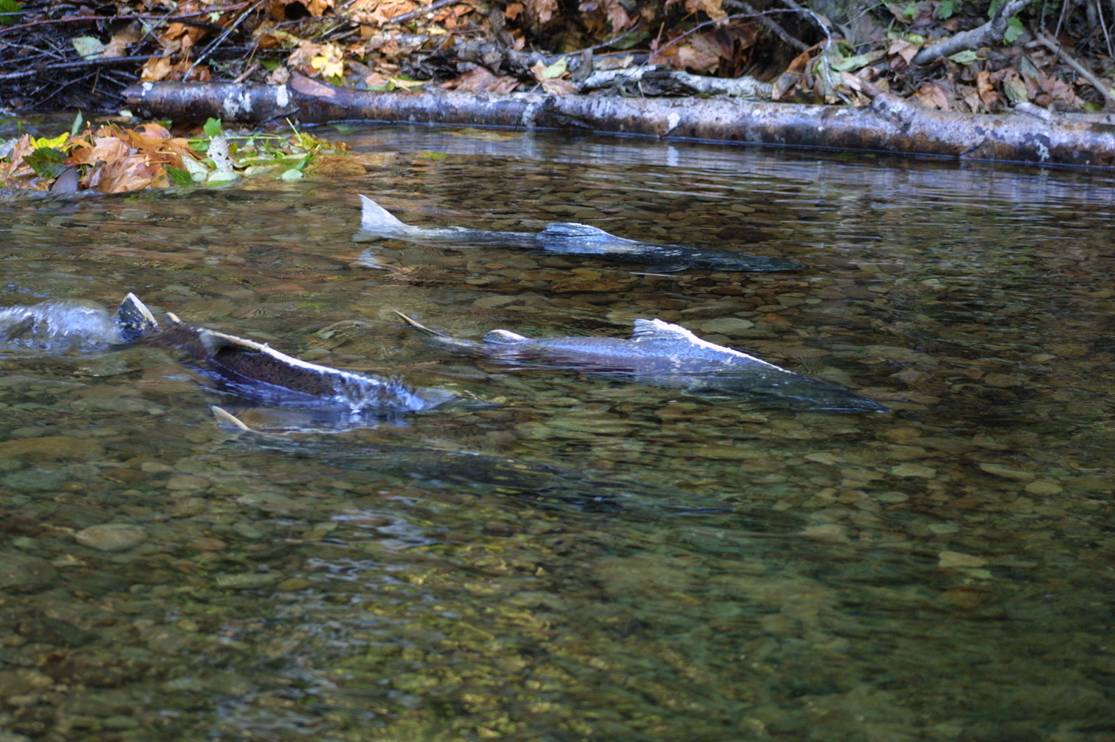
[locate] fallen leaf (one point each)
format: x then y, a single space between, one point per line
714 9
88 47
541 11
155 69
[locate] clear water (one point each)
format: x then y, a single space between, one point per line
580 558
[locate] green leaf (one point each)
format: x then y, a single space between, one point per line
555 70
847 64
87 46
75 127
1014 30
965 57
212 128
945 10
179 177
198 172
9 6
47 162
910 10
292 174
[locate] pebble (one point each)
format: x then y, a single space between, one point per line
919 471
726 325
959 560
111 537
1044 487
50 448
182 482
19 572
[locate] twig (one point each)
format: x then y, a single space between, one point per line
741 87
1080 69
716 22
208 51
181 18
792 5
987 34
1103 25
771 25
103 61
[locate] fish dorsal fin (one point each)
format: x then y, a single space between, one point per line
655 329
134 319
214 342
375 218
503 337
574 231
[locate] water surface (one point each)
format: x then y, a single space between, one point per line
572 557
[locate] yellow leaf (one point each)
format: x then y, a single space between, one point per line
330 61
52 143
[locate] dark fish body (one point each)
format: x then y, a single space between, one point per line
257 371
664 354
569 238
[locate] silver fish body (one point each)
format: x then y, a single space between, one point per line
569 238
668 355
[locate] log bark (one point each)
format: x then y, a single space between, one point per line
889 124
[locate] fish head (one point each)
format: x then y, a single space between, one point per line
134 320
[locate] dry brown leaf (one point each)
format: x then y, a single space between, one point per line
155 69
714 9
132 173
986 89
932 96
541 11
15 168
121 40
377 12
559 87
481 80
513 11
700 54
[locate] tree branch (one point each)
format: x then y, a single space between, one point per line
989 33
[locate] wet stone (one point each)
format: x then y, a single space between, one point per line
111 537
22 572
918 471
50 448
1044 487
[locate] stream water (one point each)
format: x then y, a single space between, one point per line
569 557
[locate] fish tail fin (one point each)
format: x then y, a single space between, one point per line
226 419
419 326
134 319
375 218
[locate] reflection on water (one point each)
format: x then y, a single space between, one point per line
575 557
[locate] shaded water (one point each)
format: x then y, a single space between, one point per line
571 557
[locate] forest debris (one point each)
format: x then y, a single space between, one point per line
989 33
1080 69
115 159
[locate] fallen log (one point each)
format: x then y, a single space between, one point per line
889 124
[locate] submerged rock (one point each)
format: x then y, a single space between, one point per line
111 537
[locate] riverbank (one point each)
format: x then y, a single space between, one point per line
939 57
